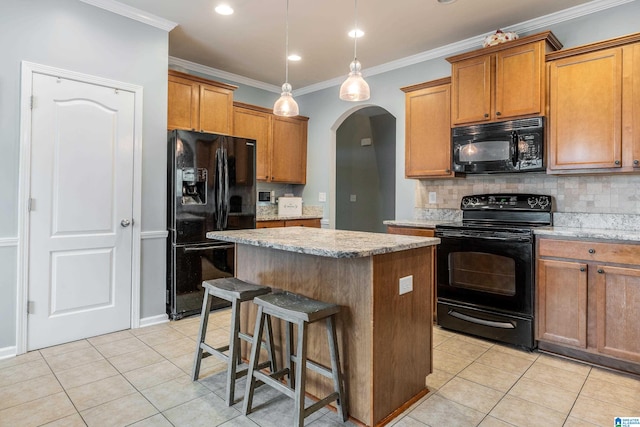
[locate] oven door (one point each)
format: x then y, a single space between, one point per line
487 272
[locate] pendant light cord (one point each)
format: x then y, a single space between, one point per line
355 30
286 46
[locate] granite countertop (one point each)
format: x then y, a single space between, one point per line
275 217
324 242
417 223
589 233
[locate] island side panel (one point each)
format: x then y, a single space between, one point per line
402 336
347 282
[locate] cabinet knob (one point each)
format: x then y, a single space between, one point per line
486 115
582 269
498 113
636 162
600 271
447 170
617 162
592 251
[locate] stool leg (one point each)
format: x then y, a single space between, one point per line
202 332
270 348
291 378
335 368
234 352
301 366
253 363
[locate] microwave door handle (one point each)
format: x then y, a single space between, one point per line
514 148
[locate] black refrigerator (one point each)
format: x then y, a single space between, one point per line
211 186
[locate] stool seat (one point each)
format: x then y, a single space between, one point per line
235 291
301 311
230 288
294 307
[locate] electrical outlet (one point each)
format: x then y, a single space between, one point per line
406 284
432 197
322 197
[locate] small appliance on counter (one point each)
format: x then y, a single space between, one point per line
211 186
290 206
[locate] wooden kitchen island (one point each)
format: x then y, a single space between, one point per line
385 339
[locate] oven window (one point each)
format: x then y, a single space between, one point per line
483 272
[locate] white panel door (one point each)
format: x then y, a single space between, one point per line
80 236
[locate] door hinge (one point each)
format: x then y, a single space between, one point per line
168 298
30 307
31 205
31 102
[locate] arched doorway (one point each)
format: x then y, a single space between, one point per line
365 163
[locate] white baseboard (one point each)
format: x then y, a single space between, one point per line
154 320
7 352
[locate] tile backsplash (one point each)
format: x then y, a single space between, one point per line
619 194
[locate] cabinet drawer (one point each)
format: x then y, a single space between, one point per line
269 224
303 223
620 253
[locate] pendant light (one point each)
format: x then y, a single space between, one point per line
286 105
355 88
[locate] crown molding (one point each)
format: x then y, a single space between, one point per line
183 64
133 13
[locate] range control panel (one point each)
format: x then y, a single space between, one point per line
528 202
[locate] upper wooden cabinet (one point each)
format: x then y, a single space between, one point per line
281 154
594 97
428 129
199 104
289 150
501 82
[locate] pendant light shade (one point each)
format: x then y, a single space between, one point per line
286 105
355 88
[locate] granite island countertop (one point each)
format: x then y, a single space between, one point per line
324 242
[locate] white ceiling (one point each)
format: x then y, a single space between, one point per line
251 42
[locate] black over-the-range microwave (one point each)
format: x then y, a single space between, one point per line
503 147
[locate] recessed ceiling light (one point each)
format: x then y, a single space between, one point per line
294 57
446 1
357 33
224 9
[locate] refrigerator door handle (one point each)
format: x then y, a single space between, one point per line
206 248
225 194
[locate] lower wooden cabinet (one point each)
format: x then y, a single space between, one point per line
313 222
588 295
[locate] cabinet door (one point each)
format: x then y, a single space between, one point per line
216 107
471 90
631 101
289 150
562 302
428 132
617 318
183 100
585 121
255 125
519 81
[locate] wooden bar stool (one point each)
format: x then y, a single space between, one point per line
301 311
235 291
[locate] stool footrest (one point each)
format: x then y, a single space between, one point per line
273 382
320 404
215 351
315 367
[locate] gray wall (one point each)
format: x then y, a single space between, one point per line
327 111
76 36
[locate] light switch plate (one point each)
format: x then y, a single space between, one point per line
322 197
432 197
352 198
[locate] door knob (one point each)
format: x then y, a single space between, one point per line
125 223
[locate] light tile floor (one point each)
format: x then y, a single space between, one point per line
141 377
